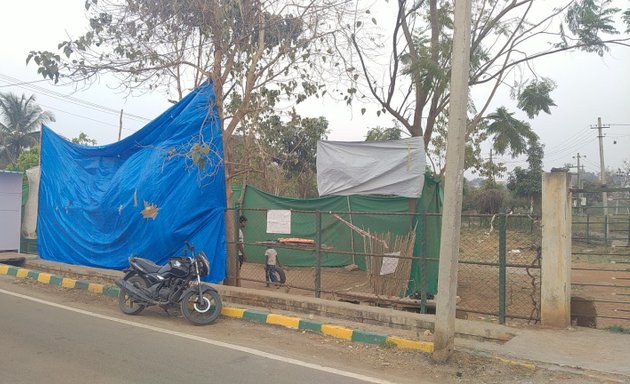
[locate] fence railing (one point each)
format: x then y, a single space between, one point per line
601 229
391 259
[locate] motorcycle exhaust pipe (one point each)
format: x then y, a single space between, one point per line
134 292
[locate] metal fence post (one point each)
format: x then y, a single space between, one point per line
318 255
588 228
606 230
423 266
502 265
628 230
236 239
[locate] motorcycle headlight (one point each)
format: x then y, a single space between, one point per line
203 264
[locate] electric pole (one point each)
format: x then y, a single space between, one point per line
491 166
602 176
120 125
579 173
444 337
579 180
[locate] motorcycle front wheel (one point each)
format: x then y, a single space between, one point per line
125 302
201 311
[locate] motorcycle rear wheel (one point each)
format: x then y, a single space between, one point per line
126 303
205 313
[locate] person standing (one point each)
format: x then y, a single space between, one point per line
271 261
242 221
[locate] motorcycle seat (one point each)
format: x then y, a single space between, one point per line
147 265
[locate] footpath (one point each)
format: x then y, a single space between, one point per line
596 353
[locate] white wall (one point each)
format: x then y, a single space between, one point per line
10 210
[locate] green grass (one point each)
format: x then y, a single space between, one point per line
618 329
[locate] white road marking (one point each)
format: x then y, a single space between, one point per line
221 344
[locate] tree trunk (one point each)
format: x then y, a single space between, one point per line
230 225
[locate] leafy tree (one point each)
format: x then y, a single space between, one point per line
383 134
507 38
527 183
28 159
282 159
490 201
20 122
535 97
257 53
508 132
83 139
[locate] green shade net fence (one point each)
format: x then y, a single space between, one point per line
375 214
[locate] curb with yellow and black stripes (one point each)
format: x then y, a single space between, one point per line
238 313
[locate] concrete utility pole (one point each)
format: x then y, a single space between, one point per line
453 187
120 125
579 181
602 175
579 170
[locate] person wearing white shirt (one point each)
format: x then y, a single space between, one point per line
271 261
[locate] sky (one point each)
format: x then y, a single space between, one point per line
588 87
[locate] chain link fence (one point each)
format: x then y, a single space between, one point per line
499 266
391 259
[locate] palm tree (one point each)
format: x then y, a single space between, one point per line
509 132
20 122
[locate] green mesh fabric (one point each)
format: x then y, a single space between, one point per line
368 213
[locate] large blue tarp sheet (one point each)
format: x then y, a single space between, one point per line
145 195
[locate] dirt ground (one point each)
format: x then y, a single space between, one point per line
396 365
478 282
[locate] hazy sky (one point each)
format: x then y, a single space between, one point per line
588 87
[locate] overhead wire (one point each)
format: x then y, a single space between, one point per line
67 98
85 117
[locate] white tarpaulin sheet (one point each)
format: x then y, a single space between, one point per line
394 167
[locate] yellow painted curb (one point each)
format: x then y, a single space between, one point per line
68 283
44 277
423 346
336 331
95 288
232 312
516 362
286 321
4 269
22 273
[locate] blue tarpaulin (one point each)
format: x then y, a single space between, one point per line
145 195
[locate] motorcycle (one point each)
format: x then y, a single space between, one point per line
178 281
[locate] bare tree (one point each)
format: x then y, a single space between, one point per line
257 53
508 37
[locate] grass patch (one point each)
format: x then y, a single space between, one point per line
618 329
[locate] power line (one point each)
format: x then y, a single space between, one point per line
66 98
23 83
85 117
582 137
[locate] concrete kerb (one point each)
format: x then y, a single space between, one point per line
291 322
274 301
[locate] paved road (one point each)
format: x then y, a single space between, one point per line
48 342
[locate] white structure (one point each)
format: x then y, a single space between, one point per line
10 210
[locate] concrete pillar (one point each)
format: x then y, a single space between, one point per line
556 250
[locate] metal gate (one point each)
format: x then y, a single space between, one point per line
601 258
